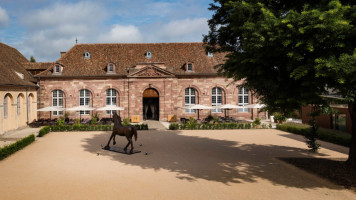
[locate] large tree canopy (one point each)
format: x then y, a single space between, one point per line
289 52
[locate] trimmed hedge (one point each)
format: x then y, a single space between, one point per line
328 135
82 127
43 131
195 126
12 148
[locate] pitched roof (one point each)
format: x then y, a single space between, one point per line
174 56
12 71
37 65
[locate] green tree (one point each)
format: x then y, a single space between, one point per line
32 59
288 52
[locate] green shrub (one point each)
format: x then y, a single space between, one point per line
173 126
126 122
328 135
12 148
94 120
257 122
43 131
279 118
60 122
84 127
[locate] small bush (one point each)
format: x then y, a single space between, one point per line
94 120
12 148
279 118
60 122
173 126
126 122
43 131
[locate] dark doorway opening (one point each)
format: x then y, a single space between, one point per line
151 108
150 104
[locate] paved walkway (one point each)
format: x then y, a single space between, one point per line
155 125
15 135
200 164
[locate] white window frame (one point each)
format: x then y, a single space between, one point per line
84 100
216 92
86 55
57 69
190 95
191 67
243 99
57 101
148 54
110 70
111 99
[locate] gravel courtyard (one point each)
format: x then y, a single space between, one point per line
201 164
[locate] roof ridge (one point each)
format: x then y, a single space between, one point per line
140 43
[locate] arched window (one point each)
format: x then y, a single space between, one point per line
111 99
57 101
243 99
5 106
18 105
84 99
190 99
216 99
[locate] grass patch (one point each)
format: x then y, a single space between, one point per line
12 148
328 135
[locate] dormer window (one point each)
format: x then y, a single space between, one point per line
86 55
110 68
56 69
148 54
190 67
210 54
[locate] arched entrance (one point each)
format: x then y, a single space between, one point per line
150 104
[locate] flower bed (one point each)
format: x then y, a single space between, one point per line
196 126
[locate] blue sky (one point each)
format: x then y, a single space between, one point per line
43 28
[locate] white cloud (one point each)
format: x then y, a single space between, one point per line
54 28
185 30
4 17
119 33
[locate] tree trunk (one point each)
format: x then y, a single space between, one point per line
352 154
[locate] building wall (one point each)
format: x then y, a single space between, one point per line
27 108
130 95
325 121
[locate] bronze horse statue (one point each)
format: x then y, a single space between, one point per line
121 130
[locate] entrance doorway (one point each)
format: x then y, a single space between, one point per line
150 104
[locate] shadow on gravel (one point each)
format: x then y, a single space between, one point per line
337 171
224 161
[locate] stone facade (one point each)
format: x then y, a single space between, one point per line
130 95
18 114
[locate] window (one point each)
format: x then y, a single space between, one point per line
216 99
111 68
243 99
18 105
190 67
189 99
84 99
57 101
148 54
86 55
5 106
210 54
56 69
111 99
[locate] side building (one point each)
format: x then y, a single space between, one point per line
18 91
150 80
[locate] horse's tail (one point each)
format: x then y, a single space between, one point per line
134 132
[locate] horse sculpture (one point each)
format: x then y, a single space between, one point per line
121 130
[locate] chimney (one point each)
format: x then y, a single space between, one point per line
63 53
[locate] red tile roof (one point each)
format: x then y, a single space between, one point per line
123 55
11 68
38 65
